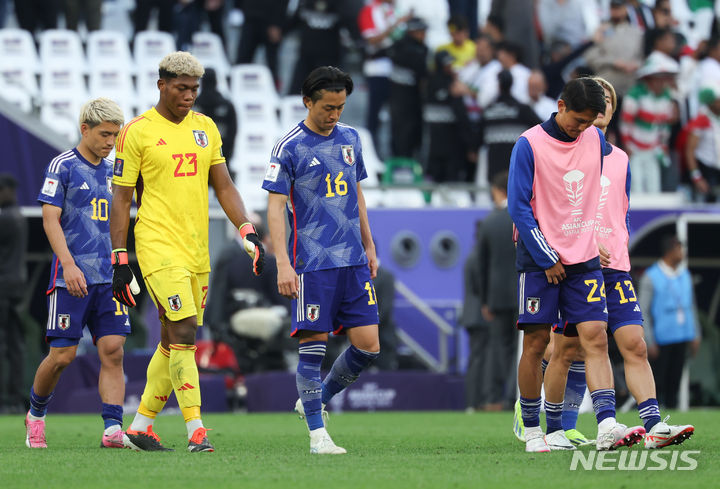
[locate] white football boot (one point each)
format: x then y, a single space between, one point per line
535 440
663 434
618 435
321 443
558 440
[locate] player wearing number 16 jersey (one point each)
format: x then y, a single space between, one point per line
315 171
75 198
169 155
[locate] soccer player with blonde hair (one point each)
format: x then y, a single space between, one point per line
75 199
168 155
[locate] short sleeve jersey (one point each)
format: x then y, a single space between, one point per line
168 164
83 191
320 175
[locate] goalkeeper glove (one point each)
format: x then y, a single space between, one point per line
253 247
124 285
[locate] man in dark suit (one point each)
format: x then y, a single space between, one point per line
498 295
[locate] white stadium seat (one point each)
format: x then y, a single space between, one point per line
17 97
115 84
207 47
109 48
17 49
252 81
60 113
149 47
373 164
63 48
146 86
292 111
62 81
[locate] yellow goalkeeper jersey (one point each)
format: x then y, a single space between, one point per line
169 165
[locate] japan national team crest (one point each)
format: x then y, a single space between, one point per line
108 183
63 321
175 302
201 138
313 312
348 154
532 305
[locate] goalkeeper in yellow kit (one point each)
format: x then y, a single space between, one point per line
168 155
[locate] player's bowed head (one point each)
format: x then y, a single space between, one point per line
178 83
324 92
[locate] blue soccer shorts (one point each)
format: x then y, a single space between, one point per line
578 298
622 302
334 300
99 311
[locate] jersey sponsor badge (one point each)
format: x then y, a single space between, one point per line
272 172
50 187
63 321
200 138
108 184
348 154
175 302
312 312
532 304
118 167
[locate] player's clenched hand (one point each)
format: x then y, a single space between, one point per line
556 273
74 280
372 262
604 255
253 246
124 285
288 281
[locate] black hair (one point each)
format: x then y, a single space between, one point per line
326 78
505 81
500 181
652 36
7 181
511 47
459 22
497 21
582 94
668 243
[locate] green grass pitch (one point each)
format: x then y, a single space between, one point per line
386 450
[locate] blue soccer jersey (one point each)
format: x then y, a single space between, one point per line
83 191
320 175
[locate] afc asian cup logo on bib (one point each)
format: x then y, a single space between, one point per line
573 181
64 321
348 154
312 312
175 302
532 305
201 138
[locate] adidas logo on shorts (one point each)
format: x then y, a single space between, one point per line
637 308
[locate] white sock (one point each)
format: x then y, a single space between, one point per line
532 429
141 422
112 429
192 425
35 418
606 424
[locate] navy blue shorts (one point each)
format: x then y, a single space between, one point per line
622 302
99 311
334 300
578 298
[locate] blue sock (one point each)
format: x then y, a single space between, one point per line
308 382
603 403
574 393
553 416
38 404
112 414
530 412
649 413
345 371
543 366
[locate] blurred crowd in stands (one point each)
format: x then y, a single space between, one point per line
451 84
